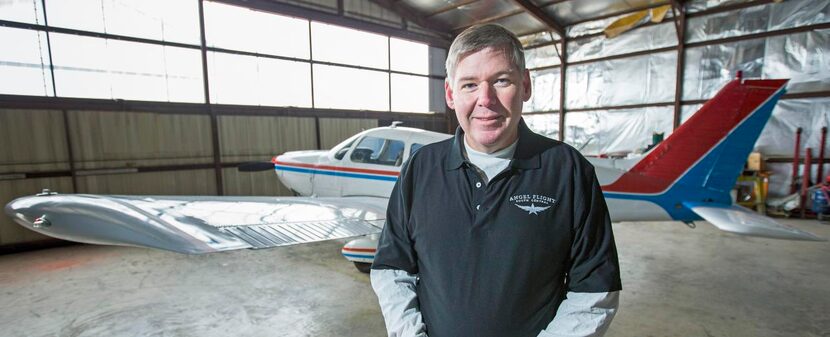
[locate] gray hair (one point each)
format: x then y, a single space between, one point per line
480 37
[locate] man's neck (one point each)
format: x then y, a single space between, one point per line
490 164
498 146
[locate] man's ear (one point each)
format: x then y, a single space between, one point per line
448 95
526 85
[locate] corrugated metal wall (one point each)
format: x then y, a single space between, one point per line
147 153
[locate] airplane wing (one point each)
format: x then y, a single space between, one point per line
197 224
740 220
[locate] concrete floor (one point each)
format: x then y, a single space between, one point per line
677 282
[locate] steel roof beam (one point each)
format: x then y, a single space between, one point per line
541 15
408 13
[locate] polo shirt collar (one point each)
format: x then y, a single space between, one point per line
526 156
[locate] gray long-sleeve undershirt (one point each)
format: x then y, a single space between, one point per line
579 315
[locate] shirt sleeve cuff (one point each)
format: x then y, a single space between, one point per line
398 302
583 315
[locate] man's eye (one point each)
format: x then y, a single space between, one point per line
503 82
468 86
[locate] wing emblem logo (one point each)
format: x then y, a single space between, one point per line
533 204
532 209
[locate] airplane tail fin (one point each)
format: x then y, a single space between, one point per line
709 150
691 173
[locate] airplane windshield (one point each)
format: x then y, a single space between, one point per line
344 147
374 150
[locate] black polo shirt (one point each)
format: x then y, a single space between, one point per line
496 259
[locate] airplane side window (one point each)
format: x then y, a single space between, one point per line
392 153
373 150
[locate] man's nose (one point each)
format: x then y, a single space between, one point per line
486 95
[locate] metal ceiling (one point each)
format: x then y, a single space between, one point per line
523 17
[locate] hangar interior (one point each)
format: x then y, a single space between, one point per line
169 97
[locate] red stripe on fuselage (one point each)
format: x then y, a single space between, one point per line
335 168
360 250
693 139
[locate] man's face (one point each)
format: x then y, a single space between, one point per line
487 92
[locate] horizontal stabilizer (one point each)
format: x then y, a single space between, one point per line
740 220
197 224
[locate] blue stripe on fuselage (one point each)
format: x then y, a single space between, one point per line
357 256
335 173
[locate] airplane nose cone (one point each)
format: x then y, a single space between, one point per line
26 212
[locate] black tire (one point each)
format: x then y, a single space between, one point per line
363 267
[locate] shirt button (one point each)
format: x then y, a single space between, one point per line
478 184
478 207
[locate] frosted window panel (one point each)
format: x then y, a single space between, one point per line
166 20
24 69
27 11
411 57
410 93
349 46
237 28
99 68
81 66
145 72
137 71
24 80
76 14
184 75
240 79
346 88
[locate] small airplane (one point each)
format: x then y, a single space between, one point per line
343 192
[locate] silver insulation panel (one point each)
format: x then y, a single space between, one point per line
633 80
546 86
544 124
616 131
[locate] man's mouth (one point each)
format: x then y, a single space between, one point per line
488 118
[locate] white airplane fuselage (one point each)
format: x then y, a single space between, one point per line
362 166
337 173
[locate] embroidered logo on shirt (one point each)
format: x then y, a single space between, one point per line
532 203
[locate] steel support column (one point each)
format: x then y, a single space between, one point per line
562 79
680 27
214 119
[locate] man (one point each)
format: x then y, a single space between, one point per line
497 231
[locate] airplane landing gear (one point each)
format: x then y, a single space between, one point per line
363 267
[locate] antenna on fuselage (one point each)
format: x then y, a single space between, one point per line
395 123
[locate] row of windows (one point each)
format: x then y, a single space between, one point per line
91 67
